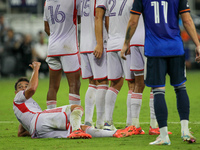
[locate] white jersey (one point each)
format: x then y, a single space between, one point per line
25 109
88 39
61 16
119 13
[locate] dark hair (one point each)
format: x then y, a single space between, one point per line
19 80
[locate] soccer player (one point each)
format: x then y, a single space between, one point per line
60 122
92 68
120 10
60 21
165 54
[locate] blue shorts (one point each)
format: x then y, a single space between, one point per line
158 67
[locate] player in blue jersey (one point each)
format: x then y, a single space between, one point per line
165 55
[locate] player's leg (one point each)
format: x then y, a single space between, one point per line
157 69
178 78
105 133
90 98
55 74
115 75
137 66
111 97
71 68
102 87
90 95
131 86
99 69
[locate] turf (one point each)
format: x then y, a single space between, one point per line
9 124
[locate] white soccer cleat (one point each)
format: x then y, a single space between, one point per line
109 127
188 137
159 141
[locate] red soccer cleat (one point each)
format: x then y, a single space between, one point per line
156 131
139 131
79 134
131 129
122 132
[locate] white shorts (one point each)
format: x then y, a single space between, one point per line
52 123
69 63
137 58
118 67
93 67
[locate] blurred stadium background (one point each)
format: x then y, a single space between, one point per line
22 37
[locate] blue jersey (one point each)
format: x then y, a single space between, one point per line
161 19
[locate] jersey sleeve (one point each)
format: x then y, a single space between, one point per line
20 97
101 4
183 6
137 7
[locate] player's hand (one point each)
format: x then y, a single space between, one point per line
98 51
35 65
124 51
197 51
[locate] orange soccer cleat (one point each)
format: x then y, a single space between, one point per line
156 131
123 132
131 129
79 134
139 131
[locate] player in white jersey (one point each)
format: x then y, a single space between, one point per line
119 12
94 69
60 122
60 20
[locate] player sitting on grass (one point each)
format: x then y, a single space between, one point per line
60 122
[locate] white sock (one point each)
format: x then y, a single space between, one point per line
100 104
90 97
74 99
184 126
110 100
128 102
75 118
136 102
153 121
51 104
99 133
164 133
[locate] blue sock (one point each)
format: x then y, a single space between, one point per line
183 104
160 107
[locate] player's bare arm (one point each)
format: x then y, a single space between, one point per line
107 23
46 28
191 30
132 25
98 51
22 131
32 86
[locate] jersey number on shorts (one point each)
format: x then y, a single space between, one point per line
56 15
155 4
113 6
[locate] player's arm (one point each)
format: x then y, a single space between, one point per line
98 51
46 28
107 23
22 131
131 27
191 30
33 83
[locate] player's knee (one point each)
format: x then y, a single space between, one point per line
180 87
77 107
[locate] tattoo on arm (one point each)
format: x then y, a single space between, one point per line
128 34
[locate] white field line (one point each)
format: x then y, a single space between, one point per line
120 123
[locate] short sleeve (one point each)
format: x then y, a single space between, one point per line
101 4
137 7
184 6
20 97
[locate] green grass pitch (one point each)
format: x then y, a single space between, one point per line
9 124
